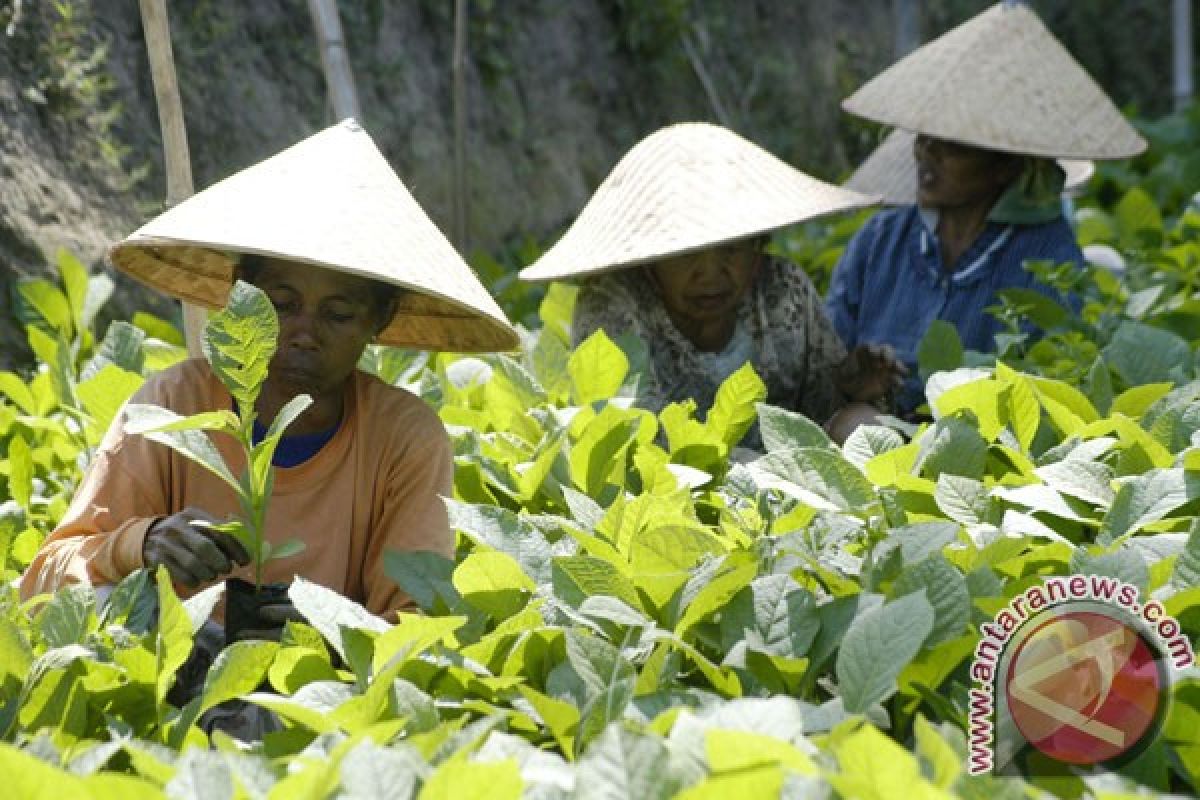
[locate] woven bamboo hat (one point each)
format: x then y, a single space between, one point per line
684 188
332 201
891 171
1003 82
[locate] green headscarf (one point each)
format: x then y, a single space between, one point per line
1034 197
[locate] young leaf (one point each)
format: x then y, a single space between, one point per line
239 342
173 642
733 410
597 369
494 583
458 779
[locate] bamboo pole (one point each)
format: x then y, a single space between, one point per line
906 29
336 61
174 135
459 70
1181 28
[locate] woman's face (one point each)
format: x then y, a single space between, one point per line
326 318
707 286
950 175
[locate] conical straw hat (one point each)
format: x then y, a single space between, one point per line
684 188
1003 82
891 171
333 201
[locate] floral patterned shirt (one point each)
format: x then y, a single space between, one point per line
793 346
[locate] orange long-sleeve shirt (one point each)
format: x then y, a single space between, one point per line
376 485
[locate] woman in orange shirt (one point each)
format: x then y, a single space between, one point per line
340 247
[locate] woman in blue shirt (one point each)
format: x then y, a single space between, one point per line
946 256
992 103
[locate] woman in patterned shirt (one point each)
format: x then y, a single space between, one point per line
670 249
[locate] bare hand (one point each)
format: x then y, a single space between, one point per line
277 613
192 553
869 373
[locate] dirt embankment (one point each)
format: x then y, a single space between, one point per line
556 92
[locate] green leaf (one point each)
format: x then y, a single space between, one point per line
764 781
940 349
734 408
1066 405
296 667
1142 354
173 641
262 453
1126 565
16 655
875 767
878 645
734 751
30 778
709 591
867 441
412 635
952 446
16 391
1187 565
1136 213
561 718
239 341
68 616
74 277
1037 307
239 670
158 328
329 612
819 477
597 369
20 471
494 583
787 430
458 779
122 347
945 590
186 435
103 394
1089 481
622 764
575 578
772 615
557 309
963 500
1147 498
380 773
501 529
48 302
1134 402
425 576
598 457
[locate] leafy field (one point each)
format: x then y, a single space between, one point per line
637 609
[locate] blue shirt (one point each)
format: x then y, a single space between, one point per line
890 285
292 451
